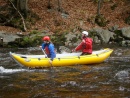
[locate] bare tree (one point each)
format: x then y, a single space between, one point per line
98 9
49 4
25 29
22 6
59 5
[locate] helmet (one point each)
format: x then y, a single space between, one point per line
46 38
85 32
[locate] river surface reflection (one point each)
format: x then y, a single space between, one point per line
109 79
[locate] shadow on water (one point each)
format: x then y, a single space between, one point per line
109 79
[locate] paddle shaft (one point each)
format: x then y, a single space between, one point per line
49 61
46 56
44 53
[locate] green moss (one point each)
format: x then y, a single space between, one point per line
127 20
101 20
34 32
58 38
74 40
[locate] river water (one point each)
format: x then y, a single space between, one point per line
110 79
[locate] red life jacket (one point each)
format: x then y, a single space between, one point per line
85 46
47 50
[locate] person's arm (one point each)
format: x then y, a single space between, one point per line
43 46
79 47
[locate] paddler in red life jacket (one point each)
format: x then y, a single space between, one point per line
49 48
86 45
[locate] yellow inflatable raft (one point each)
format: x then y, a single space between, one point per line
66 59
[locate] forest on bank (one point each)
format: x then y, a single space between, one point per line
62 15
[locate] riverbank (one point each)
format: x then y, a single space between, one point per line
74 15
113 35
65 27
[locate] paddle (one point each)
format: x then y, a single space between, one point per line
50 63
47 57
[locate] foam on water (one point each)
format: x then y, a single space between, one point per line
122 74
3 70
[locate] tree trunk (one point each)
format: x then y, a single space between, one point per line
100 3
98 9
18 4
25 29
22 6
59 6
49 4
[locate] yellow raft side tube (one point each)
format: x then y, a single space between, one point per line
64 61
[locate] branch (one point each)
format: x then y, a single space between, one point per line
7 21
25 29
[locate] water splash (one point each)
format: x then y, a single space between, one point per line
3 70
122 74
69 83
121 88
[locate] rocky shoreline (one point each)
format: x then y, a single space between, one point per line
113 35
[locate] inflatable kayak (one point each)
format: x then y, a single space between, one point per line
65 59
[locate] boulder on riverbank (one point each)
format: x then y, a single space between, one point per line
69 39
